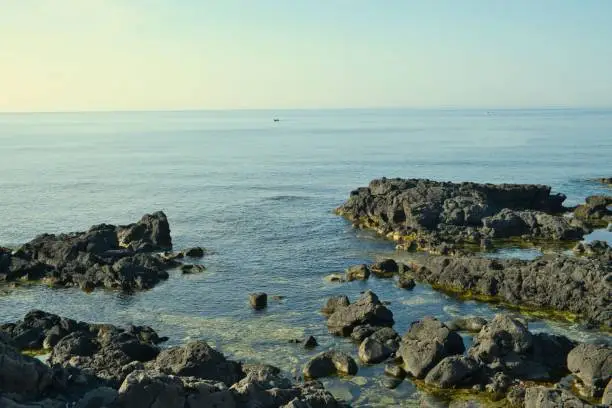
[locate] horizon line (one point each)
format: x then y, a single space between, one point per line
381 108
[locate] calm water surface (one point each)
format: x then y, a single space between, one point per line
260 194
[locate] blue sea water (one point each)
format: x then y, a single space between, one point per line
260 194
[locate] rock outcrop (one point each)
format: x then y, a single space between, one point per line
431 215
114 257
578 287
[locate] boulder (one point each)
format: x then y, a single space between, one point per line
453 371
385 269
330 363
358 272
395 371
367 310
151 232
405 282
195 252
595 210
98 397
310 342
372 351
258 301
592 365
197 359
426 343
23 375
192 268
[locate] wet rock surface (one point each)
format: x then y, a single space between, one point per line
109 256
330 363
595 211
592 366
100 365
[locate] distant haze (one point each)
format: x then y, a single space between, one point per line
76 55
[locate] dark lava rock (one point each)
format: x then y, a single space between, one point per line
367 310
195 268
453 371
258 301
104 256
310 342
20 374
542 397
469 324
197 359
358 272
334 303
592 365
579 286
372 351
423 214
196 252
426 343
329 363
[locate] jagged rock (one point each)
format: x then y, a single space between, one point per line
595 210
358 272
197 359
310 342
329 363
367 310
470 324
426 343
152 231
592 364
258 301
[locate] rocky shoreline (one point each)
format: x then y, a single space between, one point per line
457 221
505 362
126 258
101 365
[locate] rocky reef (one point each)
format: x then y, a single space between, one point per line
505 362
443 216
100 365
115 257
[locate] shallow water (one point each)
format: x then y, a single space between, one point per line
260 194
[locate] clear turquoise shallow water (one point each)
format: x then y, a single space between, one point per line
261 194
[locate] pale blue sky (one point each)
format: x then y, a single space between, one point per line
191 54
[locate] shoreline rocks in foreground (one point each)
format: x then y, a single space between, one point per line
440 217
109 256
503 359
95 365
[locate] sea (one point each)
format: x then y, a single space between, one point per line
260 194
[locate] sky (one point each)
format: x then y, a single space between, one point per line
80 55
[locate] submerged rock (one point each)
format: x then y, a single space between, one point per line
470 324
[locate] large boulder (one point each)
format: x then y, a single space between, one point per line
592 365
335 303
426 343
329 363
367 310
357 272
198 359
372 351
